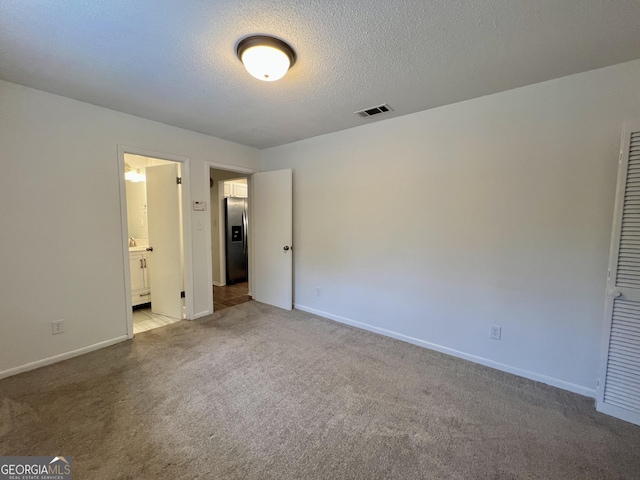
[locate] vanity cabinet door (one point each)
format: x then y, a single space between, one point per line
145 270
138 273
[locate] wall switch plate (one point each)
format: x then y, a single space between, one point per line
57 327
496 332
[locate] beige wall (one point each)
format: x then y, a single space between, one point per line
434 226
62 252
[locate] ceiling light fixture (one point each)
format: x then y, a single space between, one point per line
133 174
266 58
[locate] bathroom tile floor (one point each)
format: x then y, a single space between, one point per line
144 319
223 297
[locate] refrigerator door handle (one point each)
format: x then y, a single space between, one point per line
244 231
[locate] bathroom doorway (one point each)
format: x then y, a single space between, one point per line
155 240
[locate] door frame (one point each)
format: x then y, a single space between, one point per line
186 227
222 241
208 165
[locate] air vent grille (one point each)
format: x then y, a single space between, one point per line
371 111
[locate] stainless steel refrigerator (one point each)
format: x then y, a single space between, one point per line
236 239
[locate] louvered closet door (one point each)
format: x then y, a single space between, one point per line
619 389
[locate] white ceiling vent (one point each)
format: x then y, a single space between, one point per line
371 111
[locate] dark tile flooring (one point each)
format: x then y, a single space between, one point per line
230 295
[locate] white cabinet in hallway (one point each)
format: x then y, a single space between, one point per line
140 287
236 189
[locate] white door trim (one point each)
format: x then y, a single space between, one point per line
222 240
208 165
186 227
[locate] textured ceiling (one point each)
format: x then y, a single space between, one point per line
174 61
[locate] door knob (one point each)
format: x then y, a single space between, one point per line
149 249
615 293
286 247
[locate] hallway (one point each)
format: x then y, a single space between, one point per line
230 295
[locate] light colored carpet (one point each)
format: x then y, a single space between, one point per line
255 392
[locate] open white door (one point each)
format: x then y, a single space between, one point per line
619 386
271 210
163 213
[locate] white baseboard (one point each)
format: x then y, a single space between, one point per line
554 382
201 314
618 412
218 284
63 356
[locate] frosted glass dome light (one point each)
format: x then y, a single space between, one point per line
265 63
266 58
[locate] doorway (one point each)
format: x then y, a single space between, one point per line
229 199
153 222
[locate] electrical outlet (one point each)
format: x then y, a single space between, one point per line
57 327
318 292
496 332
